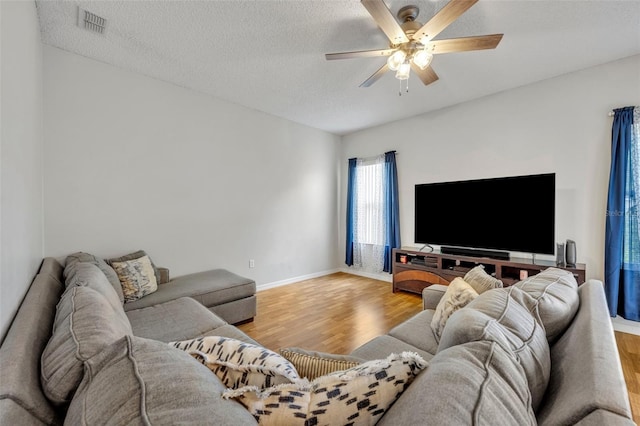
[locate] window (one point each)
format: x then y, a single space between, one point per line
369 203
373 224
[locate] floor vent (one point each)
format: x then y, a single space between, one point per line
91 21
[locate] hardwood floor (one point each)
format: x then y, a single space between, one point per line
629 348
335 313
339 312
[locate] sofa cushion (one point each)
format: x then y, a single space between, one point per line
431 296
553 299
210 288
475 383
458 294
498 317
382 346
89 275
137 255
85 324
140 381
359 395
481 281
417 332
230 331
312 364
80 257
237 363
176 320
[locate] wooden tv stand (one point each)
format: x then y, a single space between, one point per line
423 269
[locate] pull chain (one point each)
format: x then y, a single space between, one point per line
407 87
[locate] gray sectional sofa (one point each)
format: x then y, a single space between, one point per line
476 379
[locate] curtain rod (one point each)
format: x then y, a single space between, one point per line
373 157
612 113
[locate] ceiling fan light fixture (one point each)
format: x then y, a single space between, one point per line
422 58
396 60
403 71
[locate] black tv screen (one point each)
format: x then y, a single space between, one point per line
511 213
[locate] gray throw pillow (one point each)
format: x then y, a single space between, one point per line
73 260
142 381
85 324
553 300
481 281
497 316
89 275
477 383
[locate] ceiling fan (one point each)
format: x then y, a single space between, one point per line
411 43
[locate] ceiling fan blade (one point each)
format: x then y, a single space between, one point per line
427 75
359 54
442 19
376 76
386 21
465 44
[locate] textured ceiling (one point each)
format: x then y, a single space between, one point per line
269 55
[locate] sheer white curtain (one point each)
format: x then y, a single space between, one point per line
631 241
369 228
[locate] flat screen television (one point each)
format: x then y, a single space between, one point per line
514 213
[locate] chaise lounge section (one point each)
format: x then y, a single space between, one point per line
224 293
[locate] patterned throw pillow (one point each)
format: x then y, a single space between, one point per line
137 255
481 281
238 364
315 364
459 293
358 396
137 278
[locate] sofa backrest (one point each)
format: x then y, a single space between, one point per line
21 398
586 375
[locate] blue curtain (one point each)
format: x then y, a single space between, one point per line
391 208
622 241
351 199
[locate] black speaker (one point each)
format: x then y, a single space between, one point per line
571 253
560 255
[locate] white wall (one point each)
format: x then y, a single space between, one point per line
20 155
199 183
558 125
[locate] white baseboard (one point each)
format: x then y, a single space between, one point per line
626 326
288 281
382 277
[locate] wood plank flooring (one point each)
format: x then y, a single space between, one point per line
335 313
339 312
629 349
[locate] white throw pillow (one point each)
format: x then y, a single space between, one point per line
357 396
459 293
238 363
481 281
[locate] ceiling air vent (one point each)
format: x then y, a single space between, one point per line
91 21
